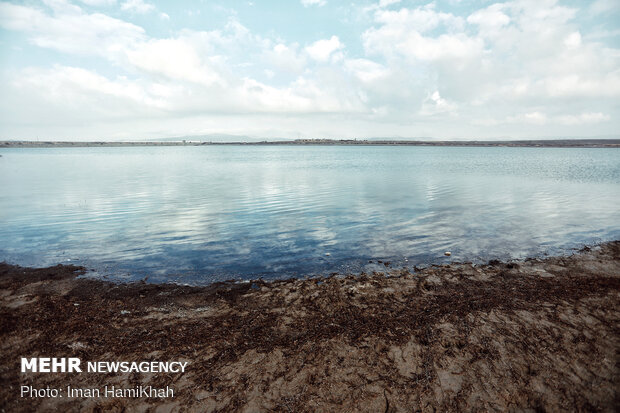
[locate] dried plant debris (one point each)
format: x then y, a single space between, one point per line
536 335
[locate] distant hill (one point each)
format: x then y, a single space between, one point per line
215 137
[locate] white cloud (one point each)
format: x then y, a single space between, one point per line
321 50
98 3
72 32
603 6
583 118
573 40
533 117
76 93
435 104
366 70
541 118
598 34
71 95
175 59
137 6
583 85
285 58
385 3
401 33
64 81
382 4
191 73
517 67
490 18
308 3
421 19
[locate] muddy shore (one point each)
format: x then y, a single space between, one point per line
532 335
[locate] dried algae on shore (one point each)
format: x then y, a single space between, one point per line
533 335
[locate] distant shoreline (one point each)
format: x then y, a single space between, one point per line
555 143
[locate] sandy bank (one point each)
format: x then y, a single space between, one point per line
538 335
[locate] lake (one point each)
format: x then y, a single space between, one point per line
209 213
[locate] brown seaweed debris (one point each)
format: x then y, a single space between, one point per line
531 335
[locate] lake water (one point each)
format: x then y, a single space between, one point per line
208 213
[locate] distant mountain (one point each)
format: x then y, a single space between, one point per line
216 137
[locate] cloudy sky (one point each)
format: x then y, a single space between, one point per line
446 69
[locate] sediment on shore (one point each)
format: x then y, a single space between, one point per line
538 334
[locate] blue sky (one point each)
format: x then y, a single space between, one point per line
138 69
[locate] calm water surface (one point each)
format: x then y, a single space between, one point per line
201 214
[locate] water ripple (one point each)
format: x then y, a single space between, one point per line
203 214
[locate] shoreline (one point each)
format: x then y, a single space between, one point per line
543 143
538 333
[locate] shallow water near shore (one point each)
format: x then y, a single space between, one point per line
204 214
